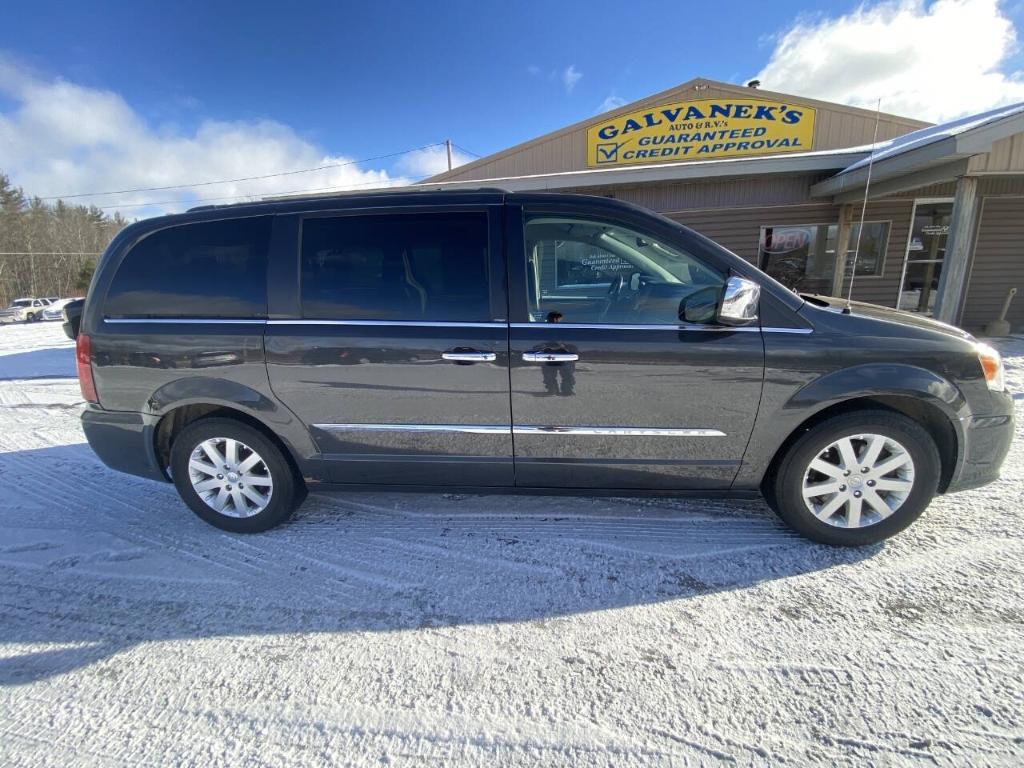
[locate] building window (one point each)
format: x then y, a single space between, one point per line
803 256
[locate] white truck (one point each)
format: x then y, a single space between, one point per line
26 310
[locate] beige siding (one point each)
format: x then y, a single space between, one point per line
998 264
739 230
1006 155
988 186
944 189
564 150
884 289
994 186
713 193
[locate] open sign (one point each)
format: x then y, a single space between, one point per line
786 239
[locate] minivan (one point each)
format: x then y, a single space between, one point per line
489 341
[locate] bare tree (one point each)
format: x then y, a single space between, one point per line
49 249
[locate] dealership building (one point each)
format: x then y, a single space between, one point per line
780 180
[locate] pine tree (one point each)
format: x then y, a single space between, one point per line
49 249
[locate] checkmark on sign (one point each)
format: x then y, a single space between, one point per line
607 153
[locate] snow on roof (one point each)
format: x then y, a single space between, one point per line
932 134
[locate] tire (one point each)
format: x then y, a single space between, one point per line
907 490
285 490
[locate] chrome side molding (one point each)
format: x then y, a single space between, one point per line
666 327
440 324
474 429
390 323
618 431
488 429
184 321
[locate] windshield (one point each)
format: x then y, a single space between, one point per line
21 303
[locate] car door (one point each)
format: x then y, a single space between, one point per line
394 352
620 377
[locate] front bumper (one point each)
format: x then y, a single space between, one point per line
986 441
123 441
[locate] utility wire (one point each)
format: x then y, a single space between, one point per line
468 152
245 178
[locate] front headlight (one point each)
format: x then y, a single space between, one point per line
992 365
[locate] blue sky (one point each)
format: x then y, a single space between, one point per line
353 81
375 77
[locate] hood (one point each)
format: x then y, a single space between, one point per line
888 314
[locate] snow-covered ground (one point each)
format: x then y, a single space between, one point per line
463 630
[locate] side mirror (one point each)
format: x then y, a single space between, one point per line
739 302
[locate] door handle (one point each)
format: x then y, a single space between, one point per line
550 357
469 357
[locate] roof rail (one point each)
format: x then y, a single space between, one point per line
407 190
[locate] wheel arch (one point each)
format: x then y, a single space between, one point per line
173 420
937 421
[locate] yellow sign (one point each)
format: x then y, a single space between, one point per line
701 130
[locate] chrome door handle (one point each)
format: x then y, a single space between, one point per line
469 357
550 357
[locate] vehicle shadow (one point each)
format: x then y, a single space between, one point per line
93 562
50 362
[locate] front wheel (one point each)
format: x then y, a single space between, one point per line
857 478
233 476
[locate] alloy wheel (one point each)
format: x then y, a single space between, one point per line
230 477
858 480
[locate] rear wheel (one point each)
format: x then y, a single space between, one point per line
857 478
233 476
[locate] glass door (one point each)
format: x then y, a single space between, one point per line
926 252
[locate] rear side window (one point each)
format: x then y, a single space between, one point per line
215 269
412 267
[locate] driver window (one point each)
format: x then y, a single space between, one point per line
586 271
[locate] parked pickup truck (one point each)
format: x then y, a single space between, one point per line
27 310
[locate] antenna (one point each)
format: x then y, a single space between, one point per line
863 207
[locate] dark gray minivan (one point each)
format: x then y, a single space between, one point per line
489 340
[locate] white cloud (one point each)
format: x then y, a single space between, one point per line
429 161
611 102
934 62
61 138
571 76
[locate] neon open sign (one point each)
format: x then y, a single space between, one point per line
785 240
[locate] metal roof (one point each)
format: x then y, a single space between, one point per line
929 154
936 133
796 162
